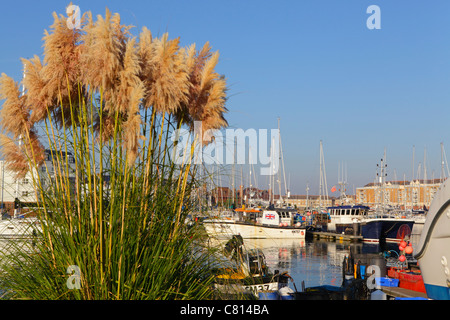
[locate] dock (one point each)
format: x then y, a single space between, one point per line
398 292
333 236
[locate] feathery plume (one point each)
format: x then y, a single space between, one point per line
15 160
36 96
166 76
14 114
102 52
61 57
207 91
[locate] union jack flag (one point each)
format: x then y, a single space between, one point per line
270 216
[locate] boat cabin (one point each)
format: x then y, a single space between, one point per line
277 216
348 211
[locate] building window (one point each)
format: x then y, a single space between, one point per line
25 193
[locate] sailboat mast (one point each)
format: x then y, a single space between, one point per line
233 173
307 195
323 178
282 161
279 161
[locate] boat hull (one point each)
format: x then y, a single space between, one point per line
390 230
254 289
225 229
433 252
19 228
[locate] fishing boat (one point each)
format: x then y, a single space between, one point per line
256 223
384 224
385 228
344 219
433 252
273 222
248 274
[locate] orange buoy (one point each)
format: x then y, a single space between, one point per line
402 258
409 249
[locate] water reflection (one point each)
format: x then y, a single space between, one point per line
316 262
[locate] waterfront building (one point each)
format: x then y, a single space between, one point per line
22 190
415 194
303 202
223 196
12 188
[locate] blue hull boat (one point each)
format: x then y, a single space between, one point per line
389 230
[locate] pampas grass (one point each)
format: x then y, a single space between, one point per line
114 204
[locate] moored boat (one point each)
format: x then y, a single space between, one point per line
385 229
433 252
270 223
343 218
19 228
384 224
249 274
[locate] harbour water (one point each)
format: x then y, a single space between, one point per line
316 262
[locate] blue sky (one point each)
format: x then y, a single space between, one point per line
312 63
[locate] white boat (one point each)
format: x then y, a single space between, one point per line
23 228
433 252
274 223
419 218
344 218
